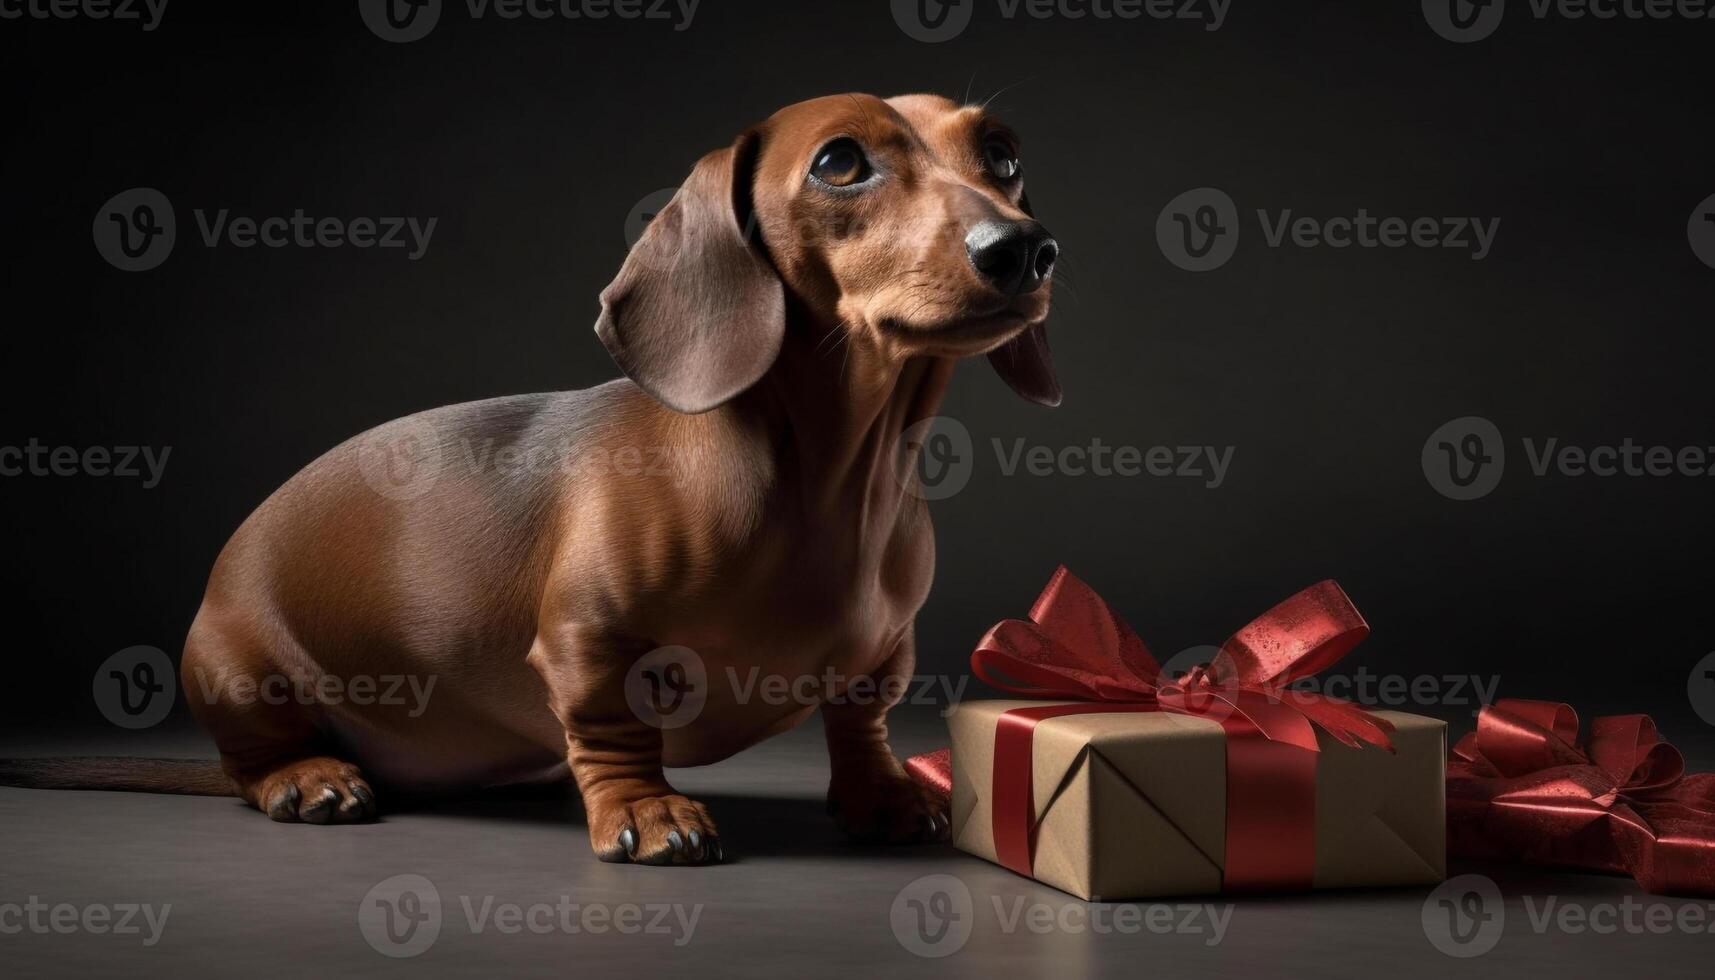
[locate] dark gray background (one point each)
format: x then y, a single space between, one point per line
530 141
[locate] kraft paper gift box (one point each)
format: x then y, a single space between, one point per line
1132 805
1122 779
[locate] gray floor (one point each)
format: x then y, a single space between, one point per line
253 898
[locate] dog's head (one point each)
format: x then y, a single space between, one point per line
901 221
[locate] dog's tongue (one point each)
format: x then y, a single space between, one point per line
934 772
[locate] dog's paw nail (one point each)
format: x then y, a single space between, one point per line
321 809
365 800
676 843
284 806
696 846
716 849
628 841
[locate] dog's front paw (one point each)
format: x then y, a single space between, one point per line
669 829
886 804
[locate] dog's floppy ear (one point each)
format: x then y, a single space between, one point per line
1024 362
697 313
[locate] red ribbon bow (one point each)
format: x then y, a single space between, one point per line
1523 785
1074 646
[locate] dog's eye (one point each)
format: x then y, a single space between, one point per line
841 164
1001 157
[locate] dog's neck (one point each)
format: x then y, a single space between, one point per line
838 409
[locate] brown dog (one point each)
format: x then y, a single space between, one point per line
797 306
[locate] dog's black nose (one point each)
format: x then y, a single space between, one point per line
1016 256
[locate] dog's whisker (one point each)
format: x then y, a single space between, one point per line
1002 91
839 330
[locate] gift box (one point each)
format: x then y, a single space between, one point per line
1123 780
1134 805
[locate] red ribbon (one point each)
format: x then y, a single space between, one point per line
1075 647
1524 786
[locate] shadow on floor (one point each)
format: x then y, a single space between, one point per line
751 826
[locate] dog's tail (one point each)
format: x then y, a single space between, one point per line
186 777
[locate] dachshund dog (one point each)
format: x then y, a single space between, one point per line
781 323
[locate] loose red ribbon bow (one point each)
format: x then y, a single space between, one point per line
1075 647
1523 785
